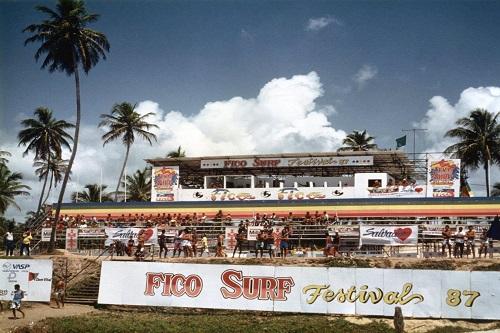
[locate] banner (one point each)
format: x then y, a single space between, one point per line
124 234
252 232
230 239
344 231
164 183
34 277
350 291
388 235
443 178
287 162
46 234
71 239
91 233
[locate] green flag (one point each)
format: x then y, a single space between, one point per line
401 142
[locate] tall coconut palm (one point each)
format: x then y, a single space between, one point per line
45 136
10 187
479 142
68 44
92 193
177 153
56 167
358 141
139 185
125 123
3 156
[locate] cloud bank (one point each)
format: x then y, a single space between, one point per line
319 23
365 74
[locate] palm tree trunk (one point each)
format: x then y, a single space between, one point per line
487 173
71 159
121 173
50 188
43 189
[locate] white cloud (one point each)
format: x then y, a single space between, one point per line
318 23
442 116
283 117
365 74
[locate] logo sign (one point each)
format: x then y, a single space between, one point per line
123 235
230 240
72 239
91 233
46 234
288 162
388 235
443 178
165 181
252 232
34 277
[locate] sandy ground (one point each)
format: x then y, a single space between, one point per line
38 311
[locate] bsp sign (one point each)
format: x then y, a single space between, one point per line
360 291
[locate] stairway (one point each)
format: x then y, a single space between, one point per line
85 292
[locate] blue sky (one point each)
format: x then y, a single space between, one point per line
383 66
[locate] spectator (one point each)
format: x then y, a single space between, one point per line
284 243
25 243
459 243
261 237
242 234
328 245
162 242
177 243
446 233
219 250
204 246
16 301
59 292
484 242
471 235
9 243
194 243
130 246
270 242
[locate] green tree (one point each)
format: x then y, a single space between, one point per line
139 185
44 136
68 44
10 187
358 141
177 153
125 123
92 193
56 167
496 190
479 142
3 156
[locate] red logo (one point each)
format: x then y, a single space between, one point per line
402 233
148 233
32 276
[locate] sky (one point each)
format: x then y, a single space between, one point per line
234 77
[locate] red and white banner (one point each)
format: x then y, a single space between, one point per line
353 291
34 277
72 239
388 235
230 239
124 234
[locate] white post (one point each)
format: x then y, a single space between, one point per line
100 187
125 184
77 186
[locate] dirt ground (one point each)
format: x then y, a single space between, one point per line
38 311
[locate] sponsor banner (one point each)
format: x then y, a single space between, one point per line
46 234
388 235
443 178
124 234
252 232
230 239
408 191
351 291
164 183
288 162
344 231
72 239
437 229
34 277
91 233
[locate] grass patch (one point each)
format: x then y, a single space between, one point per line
113 322
448 329
446 265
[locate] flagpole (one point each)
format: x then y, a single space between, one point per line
100 188
125 184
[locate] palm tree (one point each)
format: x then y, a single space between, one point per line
68 44
92 194
125 123
10 187
3 155
479 144
45 137
496 190
56 167
177 153
139 185
358 141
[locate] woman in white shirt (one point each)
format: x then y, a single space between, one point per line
459 242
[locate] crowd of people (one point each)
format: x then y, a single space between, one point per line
464 241
24 243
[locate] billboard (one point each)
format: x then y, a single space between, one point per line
34 277
164 183
350 291
388 235
286 162
443 178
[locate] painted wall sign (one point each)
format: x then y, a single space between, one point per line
164 183
388 235
34 277
443 178
313 161
360 291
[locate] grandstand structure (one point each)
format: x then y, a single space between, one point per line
346 185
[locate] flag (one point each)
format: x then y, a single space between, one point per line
401 142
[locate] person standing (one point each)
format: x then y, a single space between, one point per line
162 242
16 301
446 233
284 244
204 246
242 233
471 236
194 243
484 242
261 238
26 242
59 292
270 242
9 243
219 250
459 242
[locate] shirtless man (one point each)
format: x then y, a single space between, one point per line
446 233
471 235
59 293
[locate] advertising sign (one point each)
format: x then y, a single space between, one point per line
230 240
123 235
164 182
352 291
46 234
388 235
252 232
91 233
71 239
34 277
443 178
287 162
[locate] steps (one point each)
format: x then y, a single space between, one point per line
85 292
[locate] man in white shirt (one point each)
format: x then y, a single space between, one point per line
459 242
9 243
